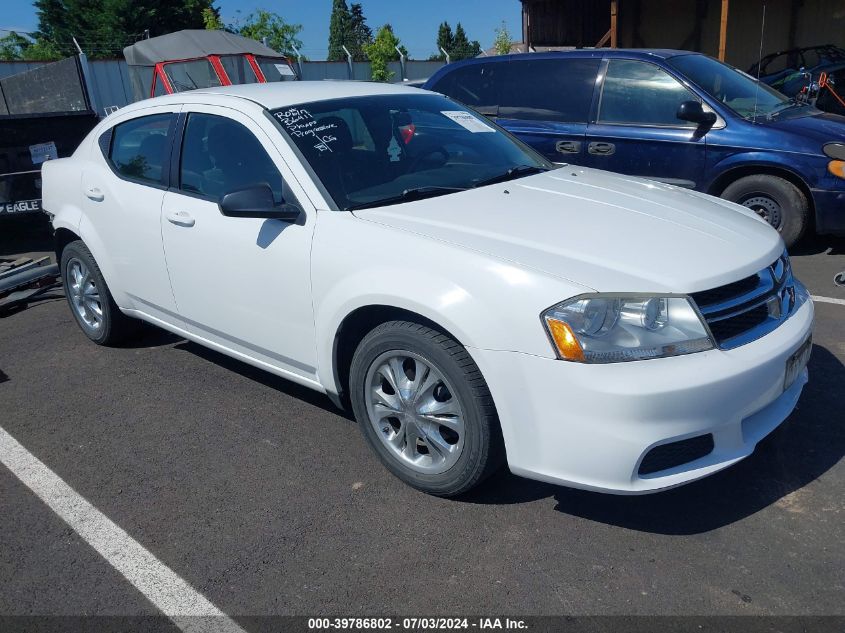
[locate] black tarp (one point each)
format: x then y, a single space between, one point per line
48 89
20 176
44 114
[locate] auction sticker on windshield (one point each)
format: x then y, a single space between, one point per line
466 120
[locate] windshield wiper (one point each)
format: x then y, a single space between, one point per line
511 174
787 105
415 193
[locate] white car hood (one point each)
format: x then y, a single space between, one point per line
606 232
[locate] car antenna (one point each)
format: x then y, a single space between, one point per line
759 62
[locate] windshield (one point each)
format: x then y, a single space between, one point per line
190 75
740 92
385 149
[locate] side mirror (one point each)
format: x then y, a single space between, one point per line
694 112
257 201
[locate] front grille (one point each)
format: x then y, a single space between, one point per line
674 454
744 310
729 328
722 293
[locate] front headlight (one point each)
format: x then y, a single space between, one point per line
603 328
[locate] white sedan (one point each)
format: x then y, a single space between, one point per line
469 301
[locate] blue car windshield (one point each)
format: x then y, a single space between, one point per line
740 92
385 149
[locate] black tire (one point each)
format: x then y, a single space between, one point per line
483 449
115 326
785 204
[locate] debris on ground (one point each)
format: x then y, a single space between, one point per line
24 280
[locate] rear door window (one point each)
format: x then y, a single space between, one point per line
548 89
139 147
640 93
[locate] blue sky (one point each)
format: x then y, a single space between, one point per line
415 22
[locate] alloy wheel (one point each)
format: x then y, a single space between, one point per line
84 295
414 411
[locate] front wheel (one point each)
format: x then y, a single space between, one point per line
424 408
776 200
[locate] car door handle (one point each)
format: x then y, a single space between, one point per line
601 149
94 193
568 147
180 218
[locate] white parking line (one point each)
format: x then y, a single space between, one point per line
189 610
828 300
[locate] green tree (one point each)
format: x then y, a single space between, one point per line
360 35
339 30
462 48
211 19
44 51
281 36
503 40
13 46
445 41
382 50
104 27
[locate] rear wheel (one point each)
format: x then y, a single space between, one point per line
90 300
424 408
776 200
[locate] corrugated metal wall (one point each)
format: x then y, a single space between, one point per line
110 78
110 83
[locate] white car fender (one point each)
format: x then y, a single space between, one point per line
66 210
65 176
89 234
65 200
459 290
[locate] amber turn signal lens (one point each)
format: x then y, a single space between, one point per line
567 345
837 168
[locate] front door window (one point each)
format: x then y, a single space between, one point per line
639 93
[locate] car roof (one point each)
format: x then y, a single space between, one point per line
635 53
576 53
284 93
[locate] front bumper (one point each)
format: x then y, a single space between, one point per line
589 426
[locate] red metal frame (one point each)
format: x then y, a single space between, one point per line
216 64
218 68
159 74
824 83
256 69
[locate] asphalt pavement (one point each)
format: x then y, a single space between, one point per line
264 498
